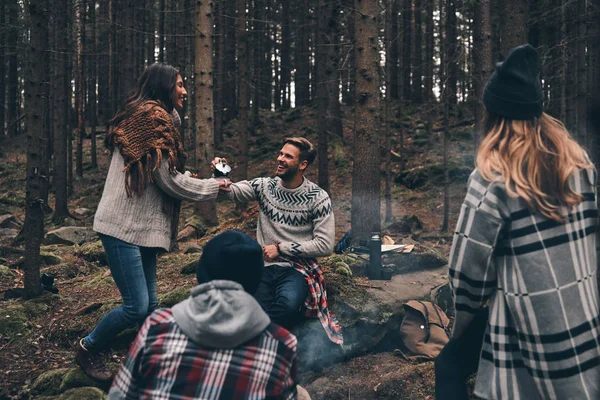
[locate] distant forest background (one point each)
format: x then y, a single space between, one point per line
66 66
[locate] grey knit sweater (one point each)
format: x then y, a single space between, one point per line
141 220
300 220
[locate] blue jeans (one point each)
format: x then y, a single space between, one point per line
133 269
281 294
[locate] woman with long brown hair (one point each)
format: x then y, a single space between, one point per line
525 244
139 208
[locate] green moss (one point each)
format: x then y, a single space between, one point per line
13 319
50 259
189 268
6 272
92 252
173 297
75 378
49 383
99 280
87 393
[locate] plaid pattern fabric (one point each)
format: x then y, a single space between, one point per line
164 364
542 340
315 305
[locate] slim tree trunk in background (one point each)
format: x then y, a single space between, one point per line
392 50
71 44
389 84
37 163
332 73
406 49
257 60
322 68
161 30
445 221
581 126
242 45
570 62
429 47
218 77
93 60
12 17
302 56
482 57
102 58
79 82
203 91
2 68
61 110
150 29
266 64
350 65
452 52
366 201
230 97
286 56
513 28
124 50
417 59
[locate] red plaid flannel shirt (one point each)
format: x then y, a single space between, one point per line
164 364
316 305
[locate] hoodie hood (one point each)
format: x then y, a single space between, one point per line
220 314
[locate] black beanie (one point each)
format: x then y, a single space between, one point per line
514 91
232 256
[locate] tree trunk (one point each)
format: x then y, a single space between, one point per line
406 49
366 202
103 23
417 59
452 54
79 83
37 163
350 65
445 221
161 30
150 29
203 92
230 97
61 110
581 126
302 56
392 50
220 72
125 50
482 57
12 13
2 69
322 68
514 21
93 62
429 47
286 55
390 63
242 44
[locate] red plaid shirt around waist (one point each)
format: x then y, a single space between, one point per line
164 364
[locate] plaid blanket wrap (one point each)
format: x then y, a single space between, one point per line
542 339
315 305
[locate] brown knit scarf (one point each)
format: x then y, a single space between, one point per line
144 139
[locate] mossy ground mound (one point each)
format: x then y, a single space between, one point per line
92 252
173 297
15 316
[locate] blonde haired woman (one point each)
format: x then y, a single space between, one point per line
525 242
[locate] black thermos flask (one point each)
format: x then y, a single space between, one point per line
375 256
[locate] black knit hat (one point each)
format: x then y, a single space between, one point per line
514 91
232 256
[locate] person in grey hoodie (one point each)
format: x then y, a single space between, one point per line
218 343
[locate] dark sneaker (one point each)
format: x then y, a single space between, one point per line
92 364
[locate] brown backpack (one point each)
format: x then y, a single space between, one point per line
424 329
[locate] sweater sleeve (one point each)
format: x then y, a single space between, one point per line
322 242
244 191
183 186
472 272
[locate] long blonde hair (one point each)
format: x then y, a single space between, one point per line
534 158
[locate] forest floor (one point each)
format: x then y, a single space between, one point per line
41 339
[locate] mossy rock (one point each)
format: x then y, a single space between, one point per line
99 280
173 297
87 393
92 252
189 268
13 320
49 383
6 272
50 258
64 271
75 378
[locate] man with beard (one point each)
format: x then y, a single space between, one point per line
295 225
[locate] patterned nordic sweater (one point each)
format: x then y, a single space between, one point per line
300 219
543 338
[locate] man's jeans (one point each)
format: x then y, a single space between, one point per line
134 270
281 293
